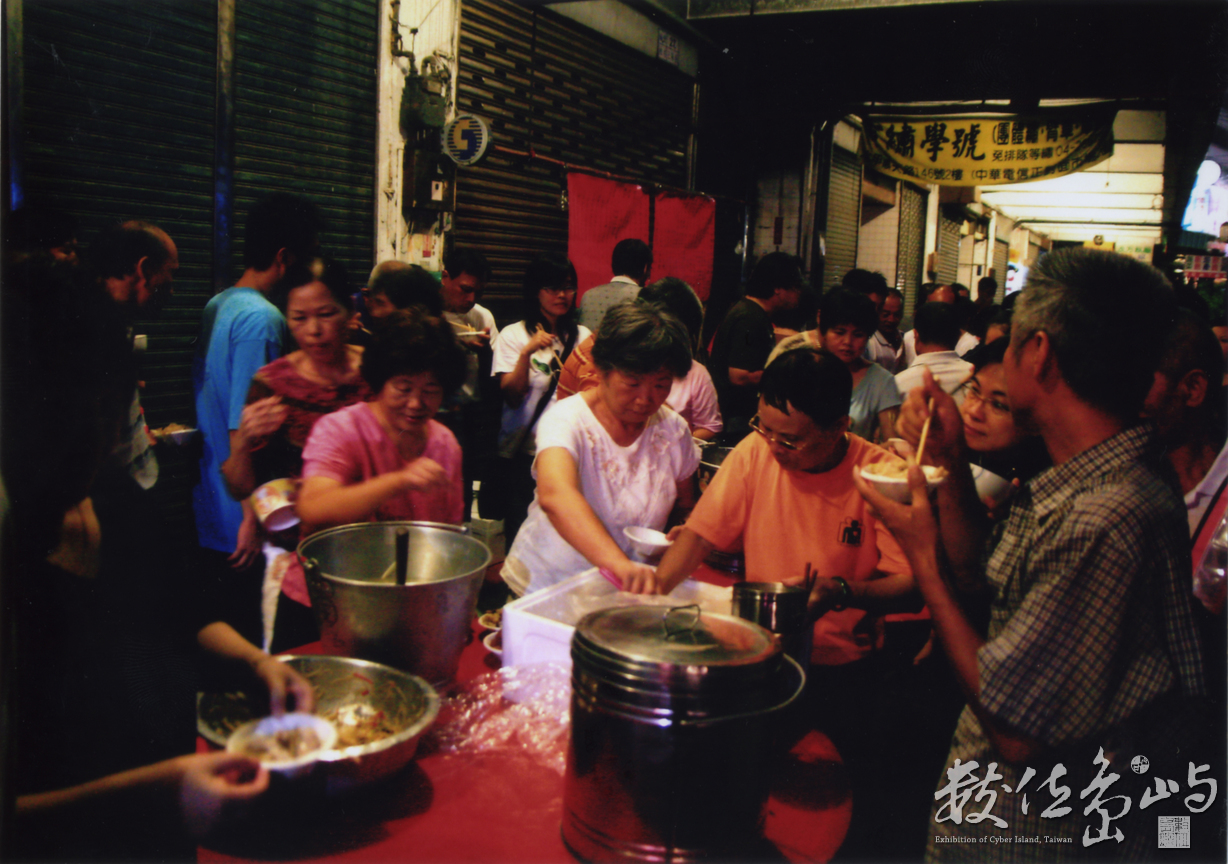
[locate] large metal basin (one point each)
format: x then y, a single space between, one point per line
421 626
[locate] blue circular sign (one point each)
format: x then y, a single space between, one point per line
465 138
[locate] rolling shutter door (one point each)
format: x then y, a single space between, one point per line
843 216
911 245
119 124
948 250
305 106
573 95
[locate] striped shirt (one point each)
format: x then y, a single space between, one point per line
1091 622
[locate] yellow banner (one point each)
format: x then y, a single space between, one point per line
987 150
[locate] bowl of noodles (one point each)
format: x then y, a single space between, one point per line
890 477
379 714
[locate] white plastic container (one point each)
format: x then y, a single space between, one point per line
538 627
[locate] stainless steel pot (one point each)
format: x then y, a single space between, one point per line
783 610
672 733
421 626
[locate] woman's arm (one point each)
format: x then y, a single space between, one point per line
885 428
515 384
325 501
281 680
261 419
558 493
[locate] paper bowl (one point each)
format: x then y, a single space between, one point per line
646 541
896 488
992 486
325 731
494 642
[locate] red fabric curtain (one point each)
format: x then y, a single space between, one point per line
600 213
684 231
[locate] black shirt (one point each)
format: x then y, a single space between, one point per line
743 341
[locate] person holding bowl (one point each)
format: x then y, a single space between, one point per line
387 458
610 458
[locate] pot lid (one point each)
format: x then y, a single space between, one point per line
676 636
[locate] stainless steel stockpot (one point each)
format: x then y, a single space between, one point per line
672 733
421 626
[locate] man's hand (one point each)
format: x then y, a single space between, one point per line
945 444
637 578
423 475
913 524
825 594
283 681
212 783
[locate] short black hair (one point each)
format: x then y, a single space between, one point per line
987 354
926 289
323 269
1090 303
843 306
631 257
409 285
987 284
117 250
937 324
466 259
410 342
866 282
281 221
811 380
639 338
772 271
680 300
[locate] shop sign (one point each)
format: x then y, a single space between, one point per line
1205 267
466 139
987 150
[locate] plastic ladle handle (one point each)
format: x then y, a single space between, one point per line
402 544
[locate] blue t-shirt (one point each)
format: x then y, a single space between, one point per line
876 392
240 331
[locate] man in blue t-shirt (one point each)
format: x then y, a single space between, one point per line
240 332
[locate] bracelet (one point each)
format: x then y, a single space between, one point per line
846 594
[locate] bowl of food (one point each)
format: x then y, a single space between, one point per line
990 486
647 541
379 714
291 744
890 477
492 620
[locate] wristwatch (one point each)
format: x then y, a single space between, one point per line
846 594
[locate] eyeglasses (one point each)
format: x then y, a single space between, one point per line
972 393
774 439
557 290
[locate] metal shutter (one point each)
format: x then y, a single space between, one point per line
911 245
118 123
948 250
1001 255
595 103
305 106
843 216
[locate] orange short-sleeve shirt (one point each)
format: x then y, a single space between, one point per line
785 519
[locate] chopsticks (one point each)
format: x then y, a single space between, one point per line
541 329
925 431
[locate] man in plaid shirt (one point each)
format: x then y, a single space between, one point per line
1091 646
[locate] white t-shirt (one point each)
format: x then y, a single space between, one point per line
946 367
625 486
908 350
694 398
479 318
507 349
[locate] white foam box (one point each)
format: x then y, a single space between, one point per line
538 627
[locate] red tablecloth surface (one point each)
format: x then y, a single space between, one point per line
497 808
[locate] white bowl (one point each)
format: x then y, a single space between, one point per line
494 642
325 731
647 541
992 486
896 488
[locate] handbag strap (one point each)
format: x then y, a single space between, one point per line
568 344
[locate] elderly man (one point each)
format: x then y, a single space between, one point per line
1091 656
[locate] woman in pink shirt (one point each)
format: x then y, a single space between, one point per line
387 458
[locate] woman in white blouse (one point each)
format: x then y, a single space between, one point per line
610 458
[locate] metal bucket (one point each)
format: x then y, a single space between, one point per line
783 610
421 626
672 734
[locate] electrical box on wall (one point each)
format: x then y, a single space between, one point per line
430 181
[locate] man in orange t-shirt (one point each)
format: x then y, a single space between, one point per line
788 494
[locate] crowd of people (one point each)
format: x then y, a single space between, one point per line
1066 615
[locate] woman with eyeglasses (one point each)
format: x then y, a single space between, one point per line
997 443
610 458
528 357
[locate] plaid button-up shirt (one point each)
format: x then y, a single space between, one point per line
1091 622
